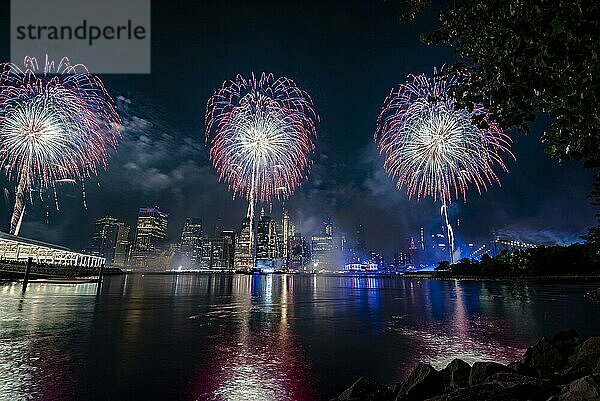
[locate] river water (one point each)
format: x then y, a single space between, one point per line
275 337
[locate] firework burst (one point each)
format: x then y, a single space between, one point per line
56 123
432 148
261 133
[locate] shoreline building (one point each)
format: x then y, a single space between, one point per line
243 248
321 251
15 249
266 242
439 247
122 246
358 251
402 259
105 237
190 246
228 237
111 240
151 231
299 256
286 234
328 249
213 254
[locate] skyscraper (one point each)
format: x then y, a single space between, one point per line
151 231
360 245
439 246
104 239
322 251
111 240
228 248
218 227
376 259
266 242
122 246
285 223
299 255
212 254
329 228
243 258
191 239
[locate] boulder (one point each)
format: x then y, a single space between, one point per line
456 374
593 295
585 389
395 388
543 359
521 368
480 371
584 361
365 389
441 397
566 342
480 392
422 383
524 387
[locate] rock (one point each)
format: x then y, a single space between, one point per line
584 361
566 342
505 386
597 370
456 374
521 368
395 388
543 359
441 397
593 295
482 370
585 389
422 383
524 387
480 392
365 389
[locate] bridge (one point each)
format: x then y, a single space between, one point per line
501 244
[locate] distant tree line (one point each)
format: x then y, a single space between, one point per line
575 259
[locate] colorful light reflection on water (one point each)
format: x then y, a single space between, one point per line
276 337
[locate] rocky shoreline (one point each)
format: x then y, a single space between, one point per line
593 295
564 368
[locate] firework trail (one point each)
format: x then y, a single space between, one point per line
432 148
56 123
261 132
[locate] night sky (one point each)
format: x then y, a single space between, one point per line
347 55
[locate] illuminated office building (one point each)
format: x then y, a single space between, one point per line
191 239
243 259
150 234
111 240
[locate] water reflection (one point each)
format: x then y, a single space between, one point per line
460 321
36 329
263 362
277 337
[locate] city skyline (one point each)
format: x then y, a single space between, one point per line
278 246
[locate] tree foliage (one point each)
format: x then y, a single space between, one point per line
576 259
524 57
